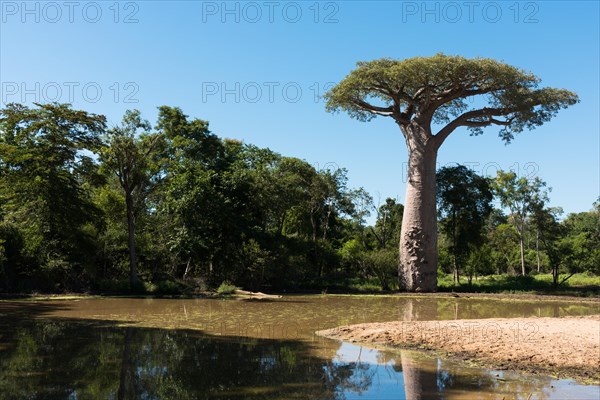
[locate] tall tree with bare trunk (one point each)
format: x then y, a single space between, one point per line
131 153
429 98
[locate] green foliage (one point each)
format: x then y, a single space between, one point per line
384 265
464 204
522 197
47 171
208 211
581 245
166 287
578 284
388 224
226 288
443 84
131 153
12 260
113 285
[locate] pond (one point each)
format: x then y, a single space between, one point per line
122 348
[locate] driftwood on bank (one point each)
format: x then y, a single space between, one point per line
255 295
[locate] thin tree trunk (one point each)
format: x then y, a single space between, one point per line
384 230
537 250
326 224
313 224
455 276
521 243
418 236
187 269
133 277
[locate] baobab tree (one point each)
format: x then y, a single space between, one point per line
429 98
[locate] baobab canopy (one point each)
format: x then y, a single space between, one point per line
446 92
439 88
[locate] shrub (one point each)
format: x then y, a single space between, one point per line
168 287
226 288
114 286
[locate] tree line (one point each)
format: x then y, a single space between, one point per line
169 206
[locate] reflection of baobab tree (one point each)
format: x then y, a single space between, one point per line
419 310
433 378
420 377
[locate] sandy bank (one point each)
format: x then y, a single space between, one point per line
561 347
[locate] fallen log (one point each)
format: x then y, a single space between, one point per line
256 295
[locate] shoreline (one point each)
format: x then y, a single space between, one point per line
564 348
208 294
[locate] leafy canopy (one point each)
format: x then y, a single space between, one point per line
465 203
46 169
438 89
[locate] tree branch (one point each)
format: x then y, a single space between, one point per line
565 279
486 122
385 111
472 119
401 117
396 96
457 93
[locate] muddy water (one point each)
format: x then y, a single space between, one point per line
195 349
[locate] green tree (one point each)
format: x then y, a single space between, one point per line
581 242
480 261
188 200
45 165
111 238
425 92
549 232
504 240
388 223
131 153
464 205
521 196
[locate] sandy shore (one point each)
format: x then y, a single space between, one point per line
560 347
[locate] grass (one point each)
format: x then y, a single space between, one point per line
345 285
581 285
226 288
578 285
145 288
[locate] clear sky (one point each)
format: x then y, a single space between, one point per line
255 71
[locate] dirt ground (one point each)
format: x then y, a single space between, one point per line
566 347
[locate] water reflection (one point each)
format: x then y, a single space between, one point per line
414 375
71 360
294 317
234 350
65 359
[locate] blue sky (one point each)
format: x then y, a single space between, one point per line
255 71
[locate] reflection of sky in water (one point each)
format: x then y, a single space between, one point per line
386 383
378 376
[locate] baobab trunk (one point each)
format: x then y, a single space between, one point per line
418 236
